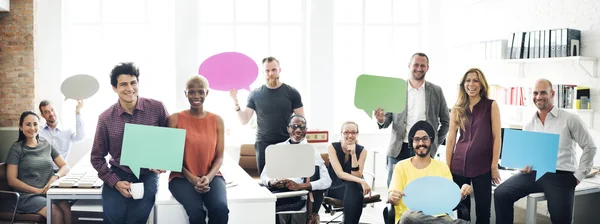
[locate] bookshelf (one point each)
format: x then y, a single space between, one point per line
587 64
517 115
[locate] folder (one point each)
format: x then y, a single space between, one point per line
518 45
558 42
546 44
525 53
532 44
509 48
552 43
536 44
570 42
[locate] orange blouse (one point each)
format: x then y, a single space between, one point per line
200 143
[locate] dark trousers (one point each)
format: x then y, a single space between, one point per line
259 148
405 153
118 209
193 202
352 195
482 188
559 189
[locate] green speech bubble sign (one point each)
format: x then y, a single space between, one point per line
374 92
152 147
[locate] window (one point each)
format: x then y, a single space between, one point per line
375 37
98 34
258 29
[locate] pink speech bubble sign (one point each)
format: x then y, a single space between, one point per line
229 70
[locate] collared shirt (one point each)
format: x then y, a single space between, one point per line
322 183
415 107
63 138
571 130
110 130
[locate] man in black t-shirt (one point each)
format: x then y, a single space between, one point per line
274 103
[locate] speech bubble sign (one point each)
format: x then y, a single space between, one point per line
79 87
527 148
374 92
290 161
433 195
229 70
152 147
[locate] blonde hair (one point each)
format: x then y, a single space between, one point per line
462 102
197 79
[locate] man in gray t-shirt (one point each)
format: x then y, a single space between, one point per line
274 103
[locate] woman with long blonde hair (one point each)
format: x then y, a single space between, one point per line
474 157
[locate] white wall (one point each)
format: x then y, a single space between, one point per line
463 22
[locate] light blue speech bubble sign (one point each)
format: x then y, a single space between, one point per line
152 147
79 87
527 148
433 195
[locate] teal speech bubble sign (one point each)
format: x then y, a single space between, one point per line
433 195
152 147
374 92
79 87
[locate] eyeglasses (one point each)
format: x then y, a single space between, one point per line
425 139
294 126
350 132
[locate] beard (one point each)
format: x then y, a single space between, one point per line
272 82
422 155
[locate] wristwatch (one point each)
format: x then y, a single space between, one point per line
57 175
237 108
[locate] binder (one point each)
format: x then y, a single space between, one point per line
558 42
509 48
546 44
525 53
570 42
552 43
518 45
532 44
536 44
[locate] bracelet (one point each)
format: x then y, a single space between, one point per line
356 168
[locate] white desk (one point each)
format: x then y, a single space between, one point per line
247 201
73 193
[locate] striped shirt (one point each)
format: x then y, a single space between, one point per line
110 130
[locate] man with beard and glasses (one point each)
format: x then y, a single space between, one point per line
57 135
425 102
558 187
274 103
421 138
297 134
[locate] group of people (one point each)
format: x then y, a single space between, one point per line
472 159
417 132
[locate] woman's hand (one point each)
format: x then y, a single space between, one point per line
496 175
366 188
394 196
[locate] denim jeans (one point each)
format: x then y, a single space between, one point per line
193 202
118 209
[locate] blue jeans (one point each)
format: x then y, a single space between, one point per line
193 202
405 153
118 209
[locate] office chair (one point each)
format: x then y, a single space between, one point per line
390 217
9 200
333 205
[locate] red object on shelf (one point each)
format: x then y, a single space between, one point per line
317 136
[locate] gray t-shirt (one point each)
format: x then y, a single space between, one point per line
35 163
273 110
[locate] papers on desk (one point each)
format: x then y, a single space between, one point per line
78 180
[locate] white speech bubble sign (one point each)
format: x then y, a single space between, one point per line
79 87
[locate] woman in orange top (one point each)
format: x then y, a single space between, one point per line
200 184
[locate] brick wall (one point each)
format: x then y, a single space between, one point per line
16 62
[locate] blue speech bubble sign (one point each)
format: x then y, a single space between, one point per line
433 195
527 148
